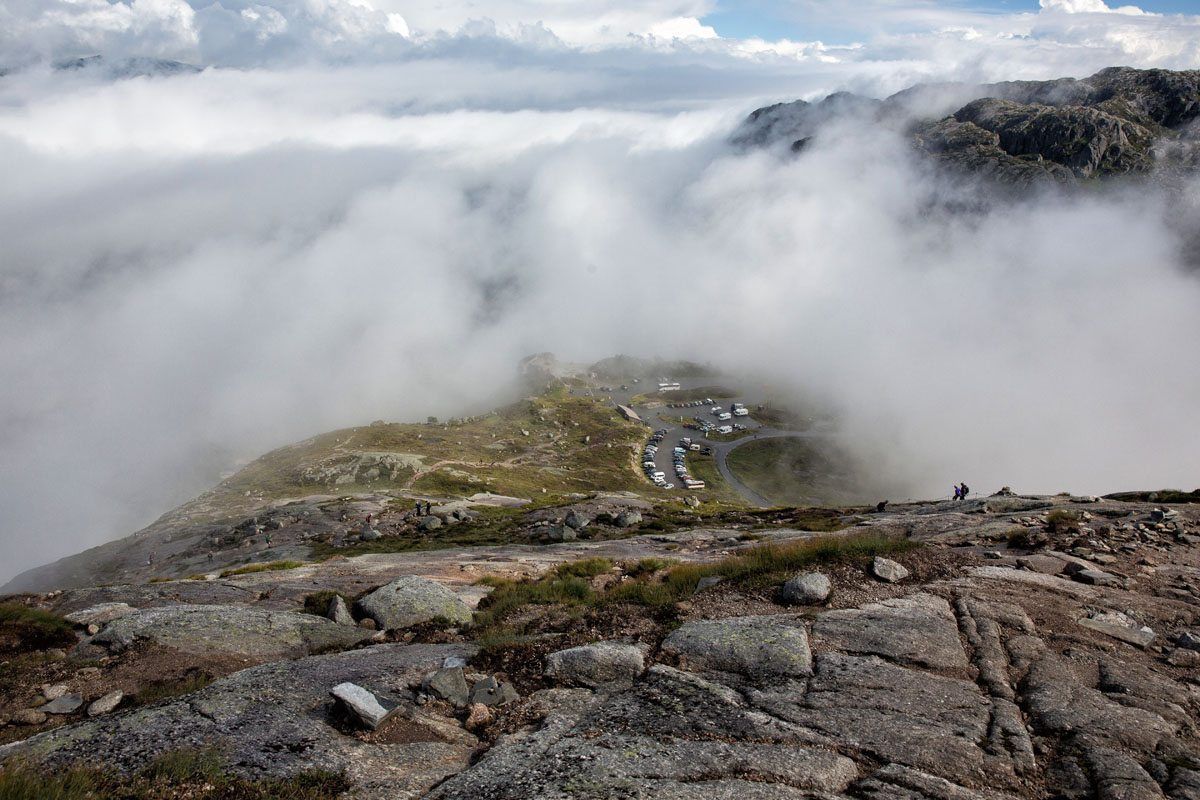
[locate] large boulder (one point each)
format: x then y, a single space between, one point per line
601 664
256 633
759 648
411 600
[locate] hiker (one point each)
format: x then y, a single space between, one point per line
964 491
957 492
880 506
417 510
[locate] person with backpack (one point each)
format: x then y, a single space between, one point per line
957 493
964 490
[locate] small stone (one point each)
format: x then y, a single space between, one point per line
105 704
430 523
576 520
1095 577
361 703
490 692
67 704
1182 657
479 716
627 519
448 684
29 716
92 629
708 582
1119 626
453 661
54 692
808 588
1189 640
367 623
994 555
887 570
339 612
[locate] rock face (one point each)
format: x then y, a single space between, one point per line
806 589
602 664
203 630
1119 121
411 600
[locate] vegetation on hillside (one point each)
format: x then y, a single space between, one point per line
177 775
23 628
660 585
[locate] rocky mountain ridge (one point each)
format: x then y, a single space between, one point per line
1120 121
1014 646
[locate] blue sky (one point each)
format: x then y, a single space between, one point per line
772 19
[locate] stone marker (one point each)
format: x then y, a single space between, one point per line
361 703
491 692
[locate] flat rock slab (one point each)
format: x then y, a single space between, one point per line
919 630
900 715
238 630
156 594
1021 576
100 614
641 743
761 648
274 720
411 600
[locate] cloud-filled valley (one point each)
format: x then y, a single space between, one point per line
199 267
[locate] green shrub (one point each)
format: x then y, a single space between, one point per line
270 566
191 774
648 566
1060 520
318 602
587 568
23 628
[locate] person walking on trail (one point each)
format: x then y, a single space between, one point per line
417 509
957 492
964 490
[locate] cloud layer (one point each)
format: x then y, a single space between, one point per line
357 215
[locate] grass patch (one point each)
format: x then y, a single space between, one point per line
587 568
652 588
178 775
193 681
1060 520
647 566
23 628
270 566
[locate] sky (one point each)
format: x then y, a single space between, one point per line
365 209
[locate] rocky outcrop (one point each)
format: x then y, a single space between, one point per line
279 719
1119 121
